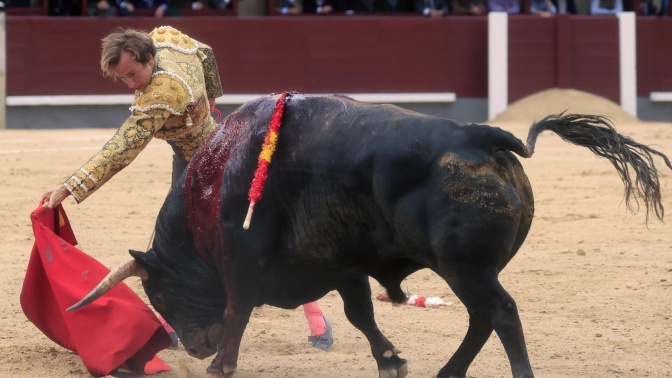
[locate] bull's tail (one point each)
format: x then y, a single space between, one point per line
598 134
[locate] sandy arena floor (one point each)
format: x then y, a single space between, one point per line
592 283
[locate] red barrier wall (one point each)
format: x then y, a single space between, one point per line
579 52
341 54
654 56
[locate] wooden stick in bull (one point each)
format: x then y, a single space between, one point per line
271 139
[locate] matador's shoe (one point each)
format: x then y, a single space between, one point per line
325 340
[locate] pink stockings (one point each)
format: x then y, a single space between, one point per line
315 319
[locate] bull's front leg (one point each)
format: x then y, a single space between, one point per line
235 321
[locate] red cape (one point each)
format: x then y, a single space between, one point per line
117 329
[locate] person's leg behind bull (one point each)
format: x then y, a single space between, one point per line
320 329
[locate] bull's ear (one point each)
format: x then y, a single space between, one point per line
142 259
137 255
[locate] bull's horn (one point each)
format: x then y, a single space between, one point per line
120 273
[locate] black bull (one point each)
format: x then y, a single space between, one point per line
353 191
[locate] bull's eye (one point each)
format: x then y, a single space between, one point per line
159 303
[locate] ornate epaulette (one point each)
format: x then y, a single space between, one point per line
166 36
166 91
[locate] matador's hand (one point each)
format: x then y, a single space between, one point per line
53 197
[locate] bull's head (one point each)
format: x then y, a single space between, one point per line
189 297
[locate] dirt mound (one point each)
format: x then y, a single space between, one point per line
551 101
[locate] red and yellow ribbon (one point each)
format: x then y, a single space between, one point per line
267 149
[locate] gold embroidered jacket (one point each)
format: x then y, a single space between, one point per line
174 107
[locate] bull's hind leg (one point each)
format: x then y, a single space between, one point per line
358 308
490 307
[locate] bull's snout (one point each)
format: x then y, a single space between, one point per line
203 344
198 345
200 352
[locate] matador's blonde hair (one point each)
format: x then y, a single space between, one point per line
138 43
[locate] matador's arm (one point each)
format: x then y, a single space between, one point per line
131 138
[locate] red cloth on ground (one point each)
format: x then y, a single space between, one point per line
116 329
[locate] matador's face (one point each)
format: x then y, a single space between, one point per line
134 74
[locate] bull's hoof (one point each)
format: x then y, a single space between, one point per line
446 374
225 371
400 372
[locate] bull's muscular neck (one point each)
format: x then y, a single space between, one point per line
202 187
